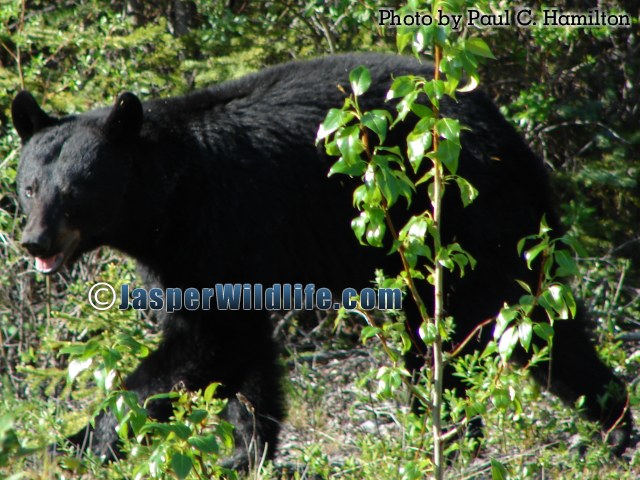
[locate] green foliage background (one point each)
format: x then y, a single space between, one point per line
574 93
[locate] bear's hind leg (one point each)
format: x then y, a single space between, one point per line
576 370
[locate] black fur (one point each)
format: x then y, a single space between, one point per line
227 185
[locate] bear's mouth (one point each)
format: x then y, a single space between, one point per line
52 264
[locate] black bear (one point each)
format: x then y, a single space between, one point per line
227 185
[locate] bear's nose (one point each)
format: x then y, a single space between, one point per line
37 243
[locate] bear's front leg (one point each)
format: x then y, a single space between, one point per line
235 349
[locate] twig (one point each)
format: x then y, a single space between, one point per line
468 338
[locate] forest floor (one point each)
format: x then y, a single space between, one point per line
333 410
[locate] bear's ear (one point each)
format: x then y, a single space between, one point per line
125 119
28 117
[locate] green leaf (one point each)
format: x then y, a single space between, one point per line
525 286
467 191
414 249
359 225
360 196
197 415
161 396
138 419
469 62
501 398
224 431
543 330
476 408
417 145
181 464
406 186
360 79
400 87
531 254
335 119
559 299
569 301
505 317
354 169
521 244
76 367
525 332
478 47
331 147
83 349
427 332
421 110
575 245
111 358
136 347
425 178
205 443
416 227
210 391
388 184
368 332
507 342
405 106
377 121
424 125
448 153
472 82
348 141
394 150
498 470
566 263
435 91
403 39
179 429
376 227
449 129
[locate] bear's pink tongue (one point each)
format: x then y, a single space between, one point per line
46 265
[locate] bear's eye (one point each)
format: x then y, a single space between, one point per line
28 192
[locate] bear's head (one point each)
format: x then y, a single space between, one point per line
72 176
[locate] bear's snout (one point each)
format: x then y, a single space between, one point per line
37 239
50 244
